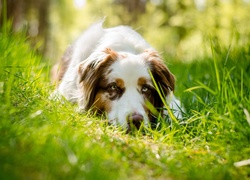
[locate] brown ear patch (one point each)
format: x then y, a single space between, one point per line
159 70
91 75
111 53
91 70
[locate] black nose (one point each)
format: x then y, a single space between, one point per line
135 119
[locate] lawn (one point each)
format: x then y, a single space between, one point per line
43 139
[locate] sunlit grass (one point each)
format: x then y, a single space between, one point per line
42 139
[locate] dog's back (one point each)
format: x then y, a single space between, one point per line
78 51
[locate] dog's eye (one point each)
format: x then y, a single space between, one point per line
114 91
144 89
113 87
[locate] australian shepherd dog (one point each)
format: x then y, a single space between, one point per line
115 71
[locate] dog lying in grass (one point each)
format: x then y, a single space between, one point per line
115 71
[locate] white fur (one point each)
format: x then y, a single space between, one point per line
89 47
90 44
129 70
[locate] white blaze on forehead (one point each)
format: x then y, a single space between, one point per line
130 69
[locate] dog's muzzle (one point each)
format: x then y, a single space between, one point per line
134 120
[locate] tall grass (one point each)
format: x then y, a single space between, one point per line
40 139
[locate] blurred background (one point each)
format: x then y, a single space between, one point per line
182 30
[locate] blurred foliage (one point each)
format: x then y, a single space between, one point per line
180 29
31 16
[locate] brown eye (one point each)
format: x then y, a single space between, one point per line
145 89
113 87
114 91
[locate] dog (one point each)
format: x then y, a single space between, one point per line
113 71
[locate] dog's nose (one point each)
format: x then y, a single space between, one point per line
135 119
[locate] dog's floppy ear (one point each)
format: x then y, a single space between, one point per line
160 72
91 71
87 68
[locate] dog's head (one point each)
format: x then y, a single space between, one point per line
120 85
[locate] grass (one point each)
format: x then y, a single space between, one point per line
40 139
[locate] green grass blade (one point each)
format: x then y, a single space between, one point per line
216 70
163 99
